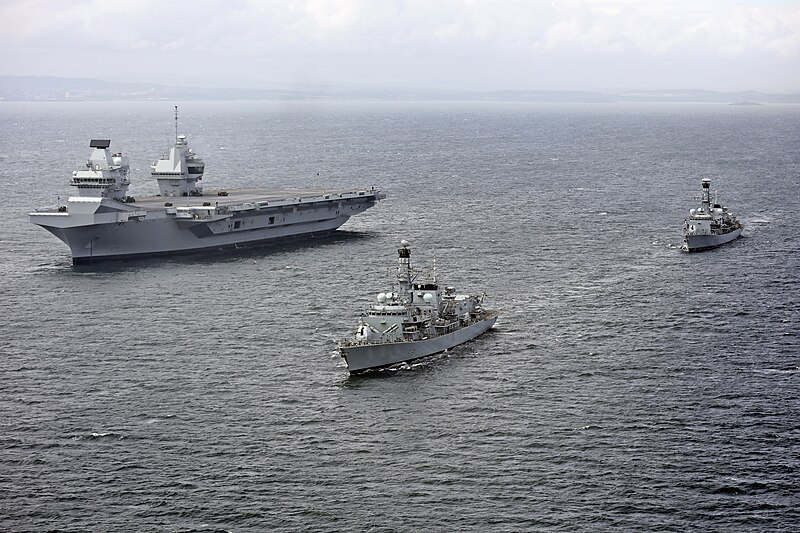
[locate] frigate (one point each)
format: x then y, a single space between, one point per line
102 222
417 319
710 225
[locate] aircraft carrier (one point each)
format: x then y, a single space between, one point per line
102 222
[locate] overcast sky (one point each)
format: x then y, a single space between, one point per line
440 44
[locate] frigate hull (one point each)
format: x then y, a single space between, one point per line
697 243
370 356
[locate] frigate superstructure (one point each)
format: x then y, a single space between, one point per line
710 225
417 319
103 222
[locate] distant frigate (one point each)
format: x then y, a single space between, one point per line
709 225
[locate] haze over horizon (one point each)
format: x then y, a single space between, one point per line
585 45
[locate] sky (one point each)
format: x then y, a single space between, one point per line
474 45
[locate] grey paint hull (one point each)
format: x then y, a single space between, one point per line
120 231
154 238
696 243
368 356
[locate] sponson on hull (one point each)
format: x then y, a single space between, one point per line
102 222
418 319
710 225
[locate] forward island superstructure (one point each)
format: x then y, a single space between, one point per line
102 222
418 319
710 225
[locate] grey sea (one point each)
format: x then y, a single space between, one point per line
627 386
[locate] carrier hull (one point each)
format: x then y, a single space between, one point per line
104 229
698 243
362 357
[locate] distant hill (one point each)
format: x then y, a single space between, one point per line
36 88
680 95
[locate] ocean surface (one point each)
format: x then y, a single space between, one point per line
627 386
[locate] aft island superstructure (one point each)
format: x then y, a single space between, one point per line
103 222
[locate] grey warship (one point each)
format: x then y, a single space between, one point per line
418 319
710 225
102 222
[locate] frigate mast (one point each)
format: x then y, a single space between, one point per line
706 199
404 270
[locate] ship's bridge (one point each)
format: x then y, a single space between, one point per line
105 175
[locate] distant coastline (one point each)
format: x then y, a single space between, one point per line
53 89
